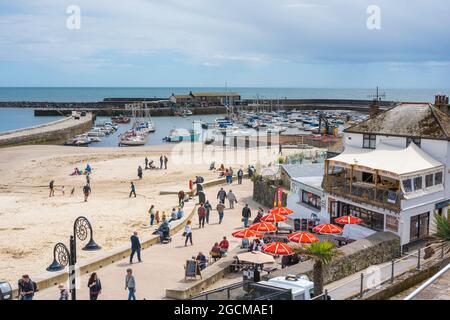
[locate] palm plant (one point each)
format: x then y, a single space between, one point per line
442 228
322 253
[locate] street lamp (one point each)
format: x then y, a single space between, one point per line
62 256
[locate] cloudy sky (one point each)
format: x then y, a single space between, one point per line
269 43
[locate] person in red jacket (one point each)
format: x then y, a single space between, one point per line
201 215
224 245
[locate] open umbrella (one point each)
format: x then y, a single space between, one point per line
278 248
348 220
273 217
255 257
303 237
246 233
263 227
327 229
281 210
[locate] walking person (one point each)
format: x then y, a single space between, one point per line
231 199
51 186
130 284
222 195
208 209
146 163
139 172
151 211
95 286
246 214
86 192
240 175
181 196
88 179
188 233
133 189
27 288
135 247
166 160
201 211
220 210
63 293
161 160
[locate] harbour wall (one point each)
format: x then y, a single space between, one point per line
109 107
53 132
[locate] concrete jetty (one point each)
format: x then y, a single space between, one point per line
52 132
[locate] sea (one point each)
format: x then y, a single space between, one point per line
15 118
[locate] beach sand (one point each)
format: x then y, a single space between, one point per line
31 223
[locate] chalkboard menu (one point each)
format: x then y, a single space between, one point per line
192 269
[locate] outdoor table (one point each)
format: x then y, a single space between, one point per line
270 269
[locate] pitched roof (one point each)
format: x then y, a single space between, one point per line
420 120
304 170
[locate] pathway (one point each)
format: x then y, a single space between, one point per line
163 265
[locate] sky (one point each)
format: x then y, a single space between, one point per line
207 43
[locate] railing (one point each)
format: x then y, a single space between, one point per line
363 193
375 276
428 283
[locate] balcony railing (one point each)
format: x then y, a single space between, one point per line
361 192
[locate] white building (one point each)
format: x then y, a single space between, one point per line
394 171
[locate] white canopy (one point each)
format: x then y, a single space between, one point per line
387 160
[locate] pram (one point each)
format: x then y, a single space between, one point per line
165 236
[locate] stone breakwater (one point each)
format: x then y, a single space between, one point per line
53 132
114 107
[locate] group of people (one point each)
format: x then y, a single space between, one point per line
86 188
219 250
150 164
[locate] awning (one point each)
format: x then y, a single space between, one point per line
388 161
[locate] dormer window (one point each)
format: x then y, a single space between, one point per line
417 141
369 141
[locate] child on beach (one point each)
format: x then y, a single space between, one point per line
157 218
63 190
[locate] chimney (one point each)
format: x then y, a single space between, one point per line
441 102
374 108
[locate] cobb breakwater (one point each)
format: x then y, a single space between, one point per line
160 107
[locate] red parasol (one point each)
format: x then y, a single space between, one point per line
277 248
327 229
281 210
246 233
263 227
303 237
348 220
273 217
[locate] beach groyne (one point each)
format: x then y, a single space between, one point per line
52 132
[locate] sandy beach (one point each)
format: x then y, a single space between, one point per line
31 222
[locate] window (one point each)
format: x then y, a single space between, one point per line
417 183
310 199
429 180
438 178
407 186
417 141
369 141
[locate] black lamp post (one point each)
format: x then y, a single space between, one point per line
63 256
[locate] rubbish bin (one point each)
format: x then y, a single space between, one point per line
5 291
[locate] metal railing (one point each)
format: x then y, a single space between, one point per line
428 283
375 276
377 196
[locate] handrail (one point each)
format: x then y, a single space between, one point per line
428 282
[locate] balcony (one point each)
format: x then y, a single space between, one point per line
383 196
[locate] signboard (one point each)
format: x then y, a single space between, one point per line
192 269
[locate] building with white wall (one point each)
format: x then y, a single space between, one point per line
394 171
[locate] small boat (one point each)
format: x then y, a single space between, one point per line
78 141
210 140
95 132
120 119
178 135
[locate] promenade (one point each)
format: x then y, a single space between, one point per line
163 265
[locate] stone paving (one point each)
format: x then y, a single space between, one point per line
163 265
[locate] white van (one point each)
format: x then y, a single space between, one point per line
301 287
